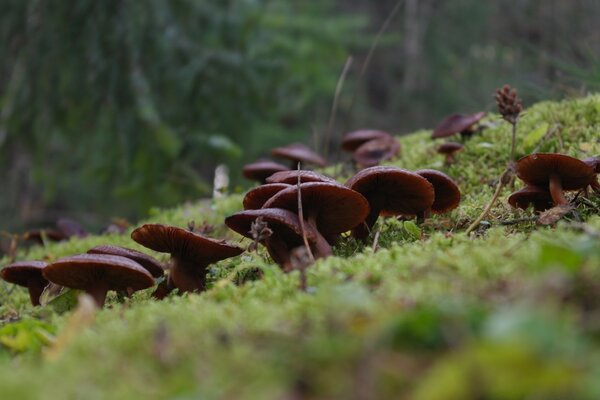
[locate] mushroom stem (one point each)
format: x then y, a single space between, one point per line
422 216
556 191
98 293
362 231
35 287
322 248
186 276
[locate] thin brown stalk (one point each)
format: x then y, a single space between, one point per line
489 206
301 218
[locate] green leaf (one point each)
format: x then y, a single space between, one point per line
533 137
412 229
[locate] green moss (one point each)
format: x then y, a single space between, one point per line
509 313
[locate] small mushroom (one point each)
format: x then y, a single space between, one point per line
457 123
557 172
354 140
330 208
257 197
449 149
375 151
390 191
291 177
148 262
191 253
69 227
286 233
446 192
299 153
261 169
540 198
96 274
29 275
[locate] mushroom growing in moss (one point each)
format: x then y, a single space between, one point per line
299 153
29 275
354 140
457 123
446 192
190 252
151 264
96 274
261 169
286 233
540 198
556 172
449 150
390 191
258 196
375 151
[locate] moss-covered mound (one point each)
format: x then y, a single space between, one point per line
511 312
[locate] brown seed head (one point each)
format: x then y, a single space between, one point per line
509 104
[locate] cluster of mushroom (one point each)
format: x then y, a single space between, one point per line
329 208
464 124
369 147
548 175
106 268
295 153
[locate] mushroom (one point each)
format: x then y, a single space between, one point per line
257 197
149 263
449 149
446 192
65 228
354 140
96 274
540 198
299 153
330 208
291 177
261 169
373 152
69 227
191 253
286 233
557 172
29 275
390 191
457 123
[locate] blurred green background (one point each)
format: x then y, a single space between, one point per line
109 108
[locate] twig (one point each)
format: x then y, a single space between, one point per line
489 206
301 218
335 104
376 240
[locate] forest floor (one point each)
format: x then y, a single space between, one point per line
511 311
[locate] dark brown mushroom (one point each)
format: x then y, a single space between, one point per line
354 140
449 149
291 177
446 192
69 227
39 235
261 169
191 253
390 191
257 197
151 264
375 151
457 123
299 153
286 233
557 172
330 208
540 198
96 274
29 275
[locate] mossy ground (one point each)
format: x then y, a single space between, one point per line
511 312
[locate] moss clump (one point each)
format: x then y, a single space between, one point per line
510 313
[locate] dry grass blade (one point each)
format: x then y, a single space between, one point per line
301 218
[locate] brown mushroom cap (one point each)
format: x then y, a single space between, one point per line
333 207
27 274
536 169
257 197
540 198
148 262
354 140
69 227
401 191
447 193
375 151
449 148
287 233
183 244
456 123
298 152
50 234
291 177
98 273
261 169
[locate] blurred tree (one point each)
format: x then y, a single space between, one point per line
111 107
